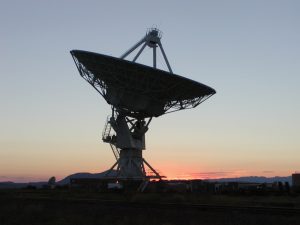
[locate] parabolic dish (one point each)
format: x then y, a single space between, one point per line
138 90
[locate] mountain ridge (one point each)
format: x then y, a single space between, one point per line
255 179
66 180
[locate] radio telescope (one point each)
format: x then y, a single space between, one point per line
136 93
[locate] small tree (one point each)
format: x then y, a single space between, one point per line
51 182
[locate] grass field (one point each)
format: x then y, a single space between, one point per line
61 207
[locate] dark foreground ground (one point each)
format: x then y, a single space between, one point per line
81 208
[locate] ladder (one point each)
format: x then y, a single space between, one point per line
106 137
109 138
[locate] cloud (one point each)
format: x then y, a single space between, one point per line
211 174
268 171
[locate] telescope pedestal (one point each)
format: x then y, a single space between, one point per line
132 166
127 143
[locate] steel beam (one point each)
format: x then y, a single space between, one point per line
165 56
133 48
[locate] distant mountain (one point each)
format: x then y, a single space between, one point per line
255 179
66 180
12 185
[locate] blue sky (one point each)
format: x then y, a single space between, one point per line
249 51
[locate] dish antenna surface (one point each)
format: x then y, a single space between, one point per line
136 93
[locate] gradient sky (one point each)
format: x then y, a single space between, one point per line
249 51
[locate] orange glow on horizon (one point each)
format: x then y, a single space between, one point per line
187 172
171 171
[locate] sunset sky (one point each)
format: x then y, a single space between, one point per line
248 51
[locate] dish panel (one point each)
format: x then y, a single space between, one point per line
139 88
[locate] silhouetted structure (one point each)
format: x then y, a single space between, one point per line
136 93
296 181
